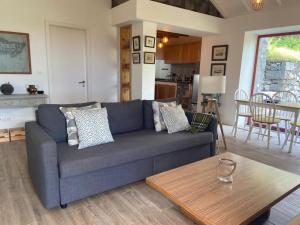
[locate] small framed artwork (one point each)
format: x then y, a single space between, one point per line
136 58
149 42
14 53
149 58
218 69
136 43
219 53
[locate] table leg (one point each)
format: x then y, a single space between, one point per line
293 133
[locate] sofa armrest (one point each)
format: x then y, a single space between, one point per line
212 127
43 164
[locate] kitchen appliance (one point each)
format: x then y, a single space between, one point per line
195 88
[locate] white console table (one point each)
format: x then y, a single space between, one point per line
22 100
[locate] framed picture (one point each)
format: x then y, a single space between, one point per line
14 53
149 58
136 58
149 41
218 69
136 43
219 53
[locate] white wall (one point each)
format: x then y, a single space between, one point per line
143 75
30 16
236 33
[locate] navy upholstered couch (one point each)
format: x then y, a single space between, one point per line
61 174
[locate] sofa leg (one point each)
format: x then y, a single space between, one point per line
63 206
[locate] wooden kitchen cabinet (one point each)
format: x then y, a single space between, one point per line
183 53
165 90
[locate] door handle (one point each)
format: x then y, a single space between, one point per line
82 83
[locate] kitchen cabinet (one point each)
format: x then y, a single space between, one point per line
182 53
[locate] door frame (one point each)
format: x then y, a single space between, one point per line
48 24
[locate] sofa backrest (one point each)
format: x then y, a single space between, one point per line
125 116
53 120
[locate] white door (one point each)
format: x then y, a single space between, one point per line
68 65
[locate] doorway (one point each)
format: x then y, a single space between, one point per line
67 54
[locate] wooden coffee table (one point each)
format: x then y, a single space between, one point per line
195 189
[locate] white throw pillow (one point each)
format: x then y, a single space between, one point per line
175 119
93 128
158 119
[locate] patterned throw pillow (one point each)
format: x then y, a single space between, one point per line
200 122
158 119
71 125
175 119
93 127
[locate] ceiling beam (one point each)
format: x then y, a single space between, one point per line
246 5
219 8
279 2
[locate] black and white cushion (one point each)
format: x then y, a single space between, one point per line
175 119
93 128
70 120
159 123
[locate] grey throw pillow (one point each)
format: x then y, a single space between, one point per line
93 127
71 125
158 119
175 118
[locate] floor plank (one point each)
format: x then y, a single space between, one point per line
130 205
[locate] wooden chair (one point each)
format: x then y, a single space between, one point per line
263 111
294 128
284 116
243 111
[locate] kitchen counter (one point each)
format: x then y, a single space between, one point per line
165 89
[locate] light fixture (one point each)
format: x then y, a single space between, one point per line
165 39
213 84
160 45
257 4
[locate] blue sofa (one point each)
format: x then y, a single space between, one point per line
62 174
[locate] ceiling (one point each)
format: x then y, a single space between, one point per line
232 8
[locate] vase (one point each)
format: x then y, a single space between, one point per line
31 89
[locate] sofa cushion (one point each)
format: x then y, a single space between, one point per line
93 127
124 116
127 147
53 120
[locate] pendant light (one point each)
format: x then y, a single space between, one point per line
257 4
165 39
160 45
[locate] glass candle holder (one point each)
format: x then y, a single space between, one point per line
225 170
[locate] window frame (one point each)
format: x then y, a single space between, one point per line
257 49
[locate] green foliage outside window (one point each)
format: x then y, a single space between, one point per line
284 48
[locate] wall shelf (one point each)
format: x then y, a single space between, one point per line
125 63
22 100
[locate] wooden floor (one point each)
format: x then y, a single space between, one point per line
135 204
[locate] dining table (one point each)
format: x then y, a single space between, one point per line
293 107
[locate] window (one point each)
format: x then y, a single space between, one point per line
277 66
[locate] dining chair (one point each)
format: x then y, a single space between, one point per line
263 111
294 128
284 116
242 111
